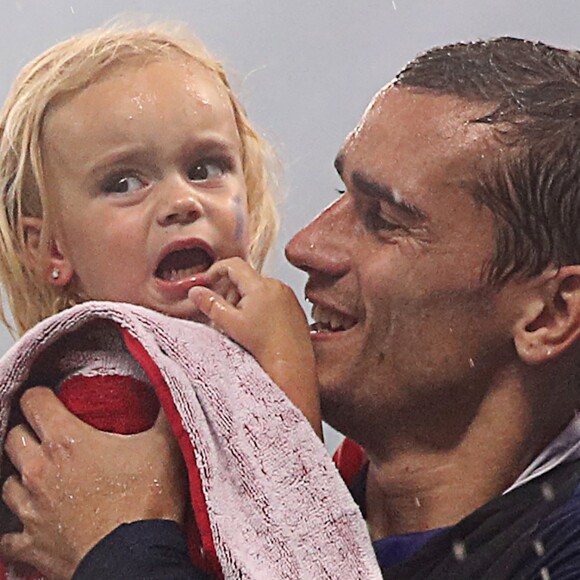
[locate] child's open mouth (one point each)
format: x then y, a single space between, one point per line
183 263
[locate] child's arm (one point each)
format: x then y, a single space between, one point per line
264 316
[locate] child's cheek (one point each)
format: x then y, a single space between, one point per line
241 234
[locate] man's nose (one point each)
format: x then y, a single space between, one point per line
323 245
180 204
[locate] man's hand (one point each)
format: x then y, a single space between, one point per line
77 484
264 316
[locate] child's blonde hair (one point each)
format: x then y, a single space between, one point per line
64 69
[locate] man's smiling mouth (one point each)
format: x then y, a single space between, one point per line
329 320
183 263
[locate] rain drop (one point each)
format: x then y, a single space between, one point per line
545 573
548 492
459 551
539 548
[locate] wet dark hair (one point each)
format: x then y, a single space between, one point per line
532 184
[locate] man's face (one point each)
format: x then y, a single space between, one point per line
403 317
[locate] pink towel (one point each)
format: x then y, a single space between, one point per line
267 499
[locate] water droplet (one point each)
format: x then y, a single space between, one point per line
72 10
471 363
459 551
545 573
394 5
539 547
548 492
417 501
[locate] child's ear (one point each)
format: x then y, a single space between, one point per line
550 323
52 266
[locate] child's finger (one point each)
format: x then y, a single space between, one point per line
224 316
236 271
223 287
232 296
245 279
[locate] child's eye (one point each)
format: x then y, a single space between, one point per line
122 184
207 170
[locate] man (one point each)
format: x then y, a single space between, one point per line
445 284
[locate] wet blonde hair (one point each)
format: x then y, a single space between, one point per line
61 71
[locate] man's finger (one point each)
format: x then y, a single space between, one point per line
21 445
47 415
16 497
13 546
161 427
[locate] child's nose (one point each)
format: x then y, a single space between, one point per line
182 207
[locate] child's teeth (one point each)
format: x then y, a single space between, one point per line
173 274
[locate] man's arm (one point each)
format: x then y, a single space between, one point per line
78 484
146 550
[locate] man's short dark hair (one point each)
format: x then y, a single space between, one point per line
532 185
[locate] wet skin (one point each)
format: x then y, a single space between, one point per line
144 162
397 260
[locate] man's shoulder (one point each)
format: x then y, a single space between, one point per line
531 532
557 540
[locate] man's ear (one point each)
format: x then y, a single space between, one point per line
50 264
550 322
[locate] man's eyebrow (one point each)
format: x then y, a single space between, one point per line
339 163
385 193
381 192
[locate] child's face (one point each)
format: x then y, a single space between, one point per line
145 168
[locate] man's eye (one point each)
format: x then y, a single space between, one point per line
206 170
377 222
122 184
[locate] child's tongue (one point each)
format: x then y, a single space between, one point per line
183 264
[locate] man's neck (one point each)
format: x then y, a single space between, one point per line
412 488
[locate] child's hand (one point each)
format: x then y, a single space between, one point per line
264 316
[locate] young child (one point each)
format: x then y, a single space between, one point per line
128 167
130 173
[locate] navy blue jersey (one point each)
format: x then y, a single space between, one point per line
531 533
